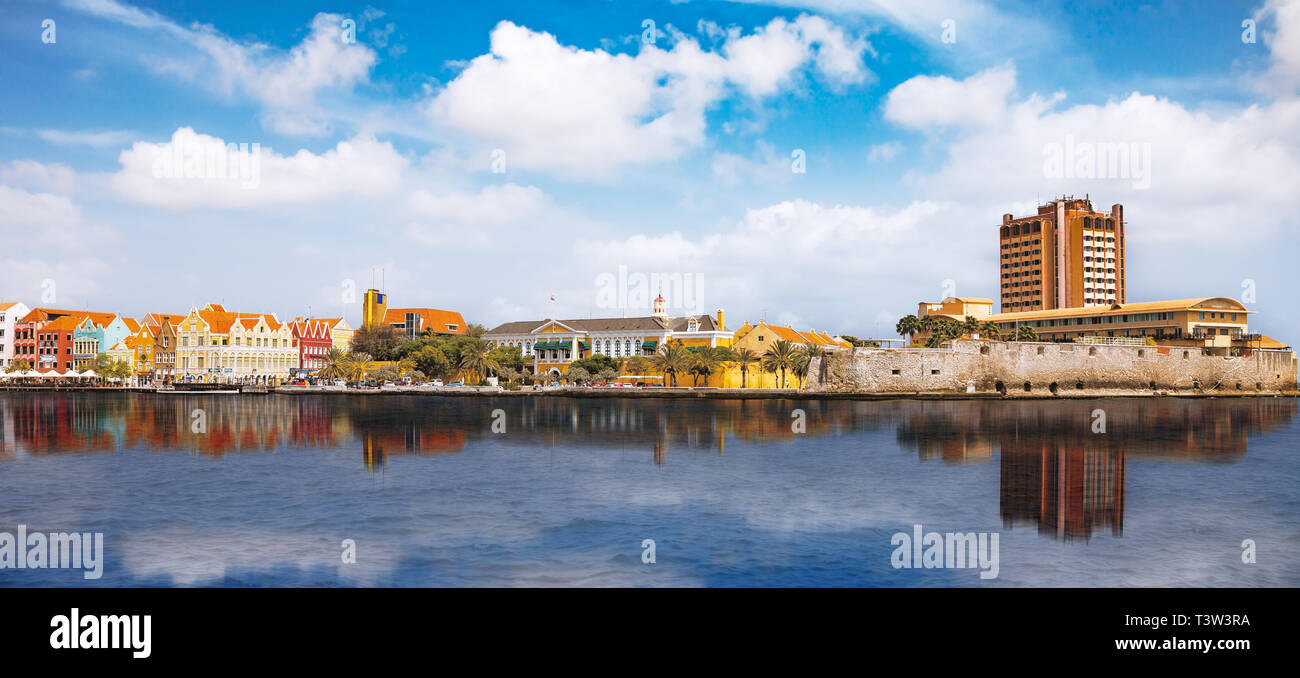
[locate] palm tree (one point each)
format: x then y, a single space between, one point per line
803 360
707 360
990 330
1025 333
336 364
356 365
744 357
475 358
780 357
907 326
671 359
970 325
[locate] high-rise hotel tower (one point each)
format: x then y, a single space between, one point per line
1066 256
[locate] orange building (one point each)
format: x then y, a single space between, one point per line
1066 256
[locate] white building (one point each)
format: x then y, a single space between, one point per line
10 312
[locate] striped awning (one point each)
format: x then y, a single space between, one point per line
650 345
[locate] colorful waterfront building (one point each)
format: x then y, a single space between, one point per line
216 345
163 327
313 338
45 336
10 313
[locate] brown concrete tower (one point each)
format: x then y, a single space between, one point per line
1066 256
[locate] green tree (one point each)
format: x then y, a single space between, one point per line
607 375
508 356
1025 333
594 364
907 326
578 375
431 360
18 365
780 357
387 373
380 341
706 361
803 360
671 360
336 364
970 325
990 330
356 365
476 359
744 357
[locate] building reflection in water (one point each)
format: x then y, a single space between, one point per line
1054 471
1062 470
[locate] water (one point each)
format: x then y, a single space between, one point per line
223 490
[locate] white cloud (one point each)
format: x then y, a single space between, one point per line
56 245
491 206
1283 41
784 257
1207 171
883 152
151 173
586 112
38 175
286 83
925 101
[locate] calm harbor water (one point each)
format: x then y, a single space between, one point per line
223 490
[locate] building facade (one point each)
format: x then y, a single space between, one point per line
163 326
10 313
1065 256
551 346
1217 324
313 338
216 345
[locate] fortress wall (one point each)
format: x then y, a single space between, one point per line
982 365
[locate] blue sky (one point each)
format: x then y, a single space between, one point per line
673 157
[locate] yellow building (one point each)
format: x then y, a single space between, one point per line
216 345
1217 324
956 308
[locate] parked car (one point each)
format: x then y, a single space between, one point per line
537 387
456 383
389 383
436 382
340 382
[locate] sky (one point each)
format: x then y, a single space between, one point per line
822 163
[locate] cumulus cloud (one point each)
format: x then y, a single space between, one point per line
38 176
772 256
1283 40
193 170
587 112
286 83
1203 170
50 241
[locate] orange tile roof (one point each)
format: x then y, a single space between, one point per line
66 322
6 305
435 319
131 324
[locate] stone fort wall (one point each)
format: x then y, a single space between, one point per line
1065 369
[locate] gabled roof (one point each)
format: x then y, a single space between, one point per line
62 323
6 305
131 324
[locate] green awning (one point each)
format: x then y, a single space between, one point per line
545 345
649 345
584 345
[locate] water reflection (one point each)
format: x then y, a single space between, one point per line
1059 471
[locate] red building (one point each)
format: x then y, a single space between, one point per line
43 337
314 338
